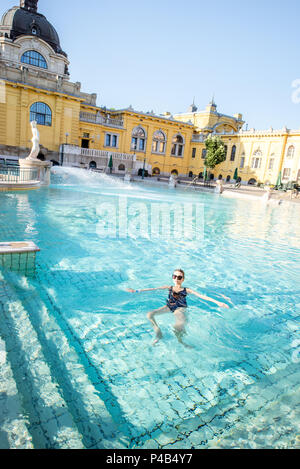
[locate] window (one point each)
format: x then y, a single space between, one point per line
233 153
256 163
41 113
85 143
156 172
203 155
159 142
111 140
256 160
286 173
177 146
138 141
32 57
271 164
226 150
298 176
86 135
121 167
194 152
242 164
290 152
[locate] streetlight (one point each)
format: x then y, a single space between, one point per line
143 173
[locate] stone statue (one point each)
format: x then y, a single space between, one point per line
32 161
30 5
35 142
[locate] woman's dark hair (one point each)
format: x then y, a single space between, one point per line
180 270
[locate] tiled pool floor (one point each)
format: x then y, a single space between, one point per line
82 391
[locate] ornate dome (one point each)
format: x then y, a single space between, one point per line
26 21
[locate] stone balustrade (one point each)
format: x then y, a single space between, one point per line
101 120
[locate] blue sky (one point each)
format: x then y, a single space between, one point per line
158 55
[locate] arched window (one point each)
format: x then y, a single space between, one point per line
256 160
31 57
138 141
41 113
291 152
191 174
159 142
177 146
121 167
226 150
93 165
233 153
156 171
174 172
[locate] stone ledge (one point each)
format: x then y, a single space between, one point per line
18 247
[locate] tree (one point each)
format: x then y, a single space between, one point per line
111 164
215 152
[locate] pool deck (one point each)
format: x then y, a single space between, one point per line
244 192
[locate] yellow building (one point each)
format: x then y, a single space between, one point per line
35 85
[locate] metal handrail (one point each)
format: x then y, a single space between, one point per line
15 174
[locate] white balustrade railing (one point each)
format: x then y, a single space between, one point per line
91 153
198 138
102 120
15 174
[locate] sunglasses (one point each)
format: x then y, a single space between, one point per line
178 277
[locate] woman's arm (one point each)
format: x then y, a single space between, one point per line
207 298
146 289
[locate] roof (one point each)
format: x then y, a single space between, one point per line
18 22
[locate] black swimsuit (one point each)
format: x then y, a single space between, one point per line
177 300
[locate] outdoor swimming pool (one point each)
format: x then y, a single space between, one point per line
80 346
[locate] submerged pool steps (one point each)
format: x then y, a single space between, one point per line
62 405
48 420
13 424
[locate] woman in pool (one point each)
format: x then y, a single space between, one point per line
176 304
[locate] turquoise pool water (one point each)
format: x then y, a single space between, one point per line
238 384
